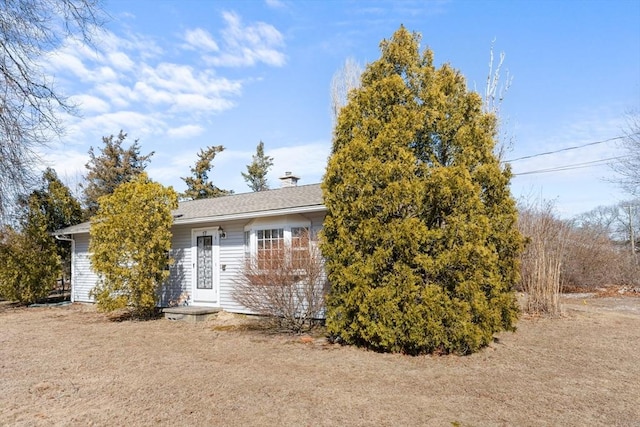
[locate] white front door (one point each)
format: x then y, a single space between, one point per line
205 253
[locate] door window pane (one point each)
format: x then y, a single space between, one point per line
205 262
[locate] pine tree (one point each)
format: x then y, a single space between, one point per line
31 258
60 209
113 166
198 185
420 240
256 176
130 240
30 263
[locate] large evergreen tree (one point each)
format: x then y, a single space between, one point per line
30 262
198 185
256 176
130 239
111 167
420 240
29 255
60 209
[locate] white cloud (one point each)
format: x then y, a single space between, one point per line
126 82
118 94
275 4
90 104
134 123
182 89
308 161
104 74
121 61
69 164
248 45
199 39
62 61
186 131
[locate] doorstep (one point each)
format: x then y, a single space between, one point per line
190 313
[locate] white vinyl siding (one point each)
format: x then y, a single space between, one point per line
178 288
231 262
84 279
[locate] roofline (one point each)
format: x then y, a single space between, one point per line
251 215
231 217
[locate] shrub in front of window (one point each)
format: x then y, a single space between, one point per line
284 280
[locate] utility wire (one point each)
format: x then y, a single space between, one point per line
571 148
570 167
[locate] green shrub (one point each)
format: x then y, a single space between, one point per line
30 265
130 240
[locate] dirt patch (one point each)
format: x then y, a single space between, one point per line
71 366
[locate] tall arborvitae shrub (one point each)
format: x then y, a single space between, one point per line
130 243
420 237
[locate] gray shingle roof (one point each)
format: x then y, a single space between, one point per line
251 203
245 204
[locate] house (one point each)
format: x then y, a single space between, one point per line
211 239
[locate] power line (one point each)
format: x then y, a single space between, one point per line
570 167
571 148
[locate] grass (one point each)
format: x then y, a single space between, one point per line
72 366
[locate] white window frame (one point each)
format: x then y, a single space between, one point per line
251 231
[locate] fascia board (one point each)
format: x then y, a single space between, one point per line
250 215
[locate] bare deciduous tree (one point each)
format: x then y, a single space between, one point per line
343 81
29 101
593 260
286 283
628 167
494 94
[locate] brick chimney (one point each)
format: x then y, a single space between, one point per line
289 180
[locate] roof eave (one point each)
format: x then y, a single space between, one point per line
230 217
251 215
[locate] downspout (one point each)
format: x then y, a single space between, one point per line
65 238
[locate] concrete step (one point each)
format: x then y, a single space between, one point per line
190 314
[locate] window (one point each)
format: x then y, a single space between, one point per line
299 246
270 245
277 242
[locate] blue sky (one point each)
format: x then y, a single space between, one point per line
183 75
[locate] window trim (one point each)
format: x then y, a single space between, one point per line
285 224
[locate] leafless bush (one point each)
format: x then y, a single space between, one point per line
593 260
542 258
287 283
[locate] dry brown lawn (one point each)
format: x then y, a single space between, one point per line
71 366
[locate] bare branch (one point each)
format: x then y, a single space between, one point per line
29 100
494 95
287 283
628 167
344 80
